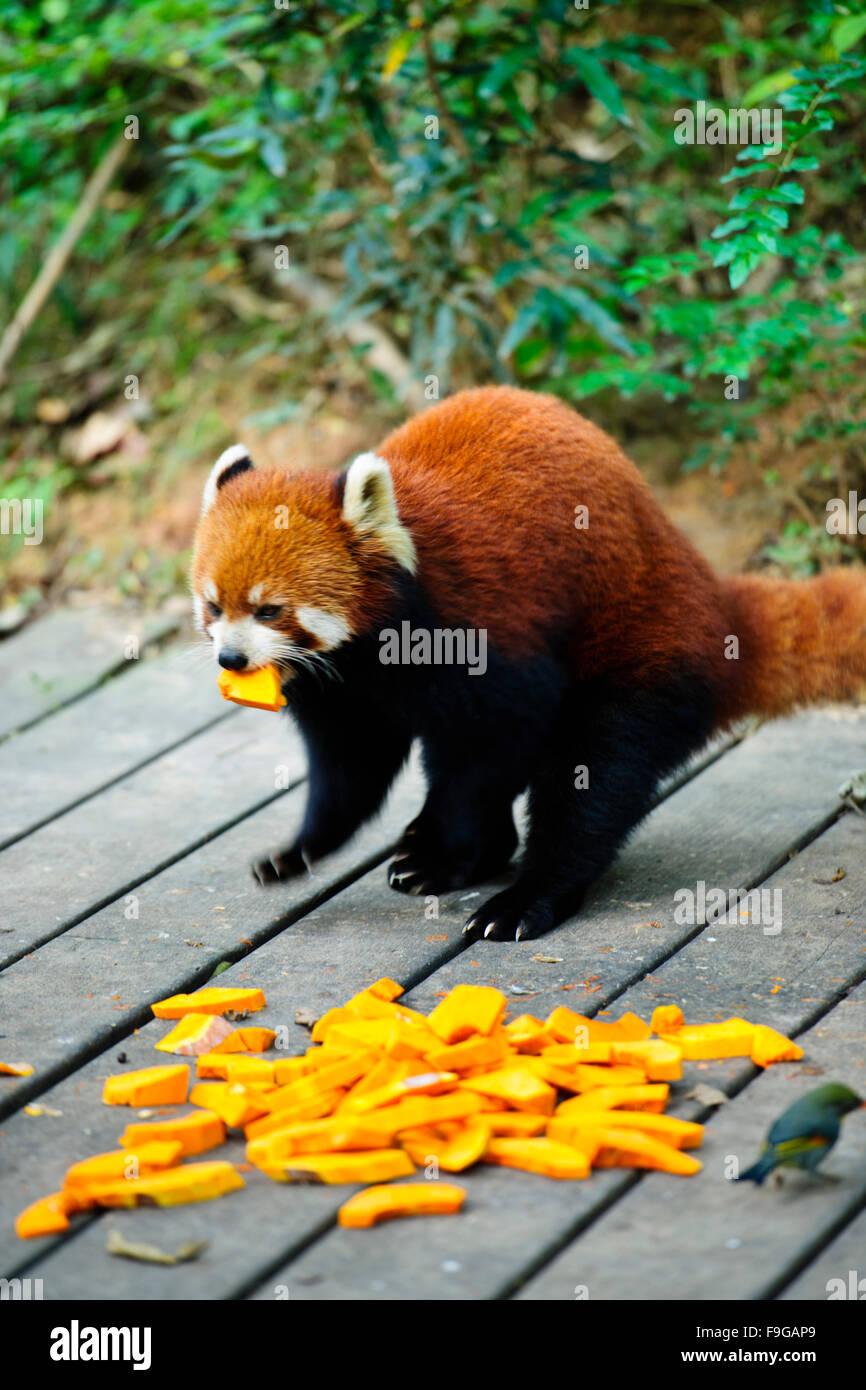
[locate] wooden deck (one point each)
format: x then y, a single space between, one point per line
133 799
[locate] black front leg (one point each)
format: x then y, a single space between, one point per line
354 753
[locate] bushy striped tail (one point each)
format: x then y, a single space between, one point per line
800 642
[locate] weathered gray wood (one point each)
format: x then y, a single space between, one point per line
839 1270
342 946
176 892
56 659
514 1221
710 1238
105 847
102 975
107 734
346 933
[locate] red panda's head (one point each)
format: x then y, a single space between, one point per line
288 566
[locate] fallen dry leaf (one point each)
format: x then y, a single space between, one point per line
707 1095
117 1244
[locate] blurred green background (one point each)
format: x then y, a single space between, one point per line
327 205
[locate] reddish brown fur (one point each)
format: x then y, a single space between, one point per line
487 483
314 558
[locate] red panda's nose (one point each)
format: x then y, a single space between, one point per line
231 659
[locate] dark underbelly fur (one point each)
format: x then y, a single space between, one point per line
485 739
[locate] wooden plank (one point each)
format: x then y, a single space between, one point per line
174 899
102 975
838 1272
102 849
55 660
102 737
514 1221
708 1238
342 946
351 938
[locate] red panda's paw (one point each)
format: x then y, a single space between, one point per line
512 915
418 875
422 866
280 866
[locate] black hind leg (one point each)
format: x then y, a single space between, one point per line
464 834
627 744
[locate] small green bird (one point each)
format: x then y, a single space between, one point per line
805 1133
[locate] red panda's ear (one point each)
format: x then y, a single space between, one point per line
230 463
370 507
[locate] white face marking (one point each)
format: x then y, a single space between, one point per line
329 629
255 594
260 644
198 612
210 591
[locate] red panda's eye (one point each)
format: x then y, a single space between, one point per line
214 610
267 611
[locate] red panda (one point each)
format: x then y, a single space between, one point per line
611 650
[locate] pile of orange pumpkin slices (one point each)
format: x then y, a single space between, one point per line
385 1089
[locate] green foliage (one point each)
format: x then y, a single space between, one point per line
444 163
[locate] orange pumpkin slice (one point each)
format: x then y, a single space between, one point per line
567 1026
377 1165
462 1146
538 1156
47 1217
418 1111
235 1104
631 1148
667 1018
193 1182
332 1135
709 1042
661 1060
312 1109
652 1097
121 1164
150 1086
466 1010
518 1086
769 1047
234 1066
210 1001
478 1051
681 1134
247 1040
195 1133
432 1083
195 1034
258 689
528 1034
334 1076
386 988
406 1199
516 1124
16 1069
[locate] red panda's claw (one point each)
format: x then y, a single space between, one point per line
404 878
279 867
510 917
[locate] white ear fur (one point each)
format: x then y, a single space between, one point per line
229 458
370 506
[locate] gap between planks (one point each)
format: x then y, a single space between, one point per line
746 773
